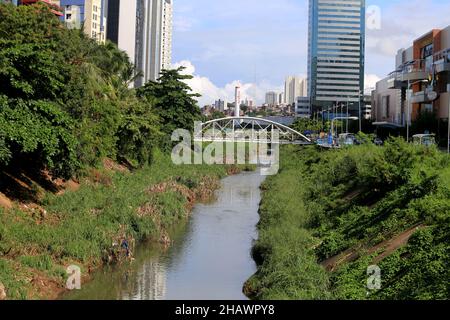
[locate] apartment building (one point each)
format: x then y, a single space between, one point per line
272 99
143 29
418 84
294 87
87 14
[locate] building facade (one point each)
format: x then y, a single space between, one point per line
221 105
336 45
302 107
294 87
87 14
272 99
121 26
143 28
418 84
153 38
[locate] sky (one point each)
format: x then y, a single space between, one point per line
257 43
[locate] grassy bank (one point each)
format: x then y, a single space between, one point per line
38 241
329 215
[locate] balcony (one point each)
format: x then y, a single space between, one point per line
394 83
413 74
442 65
424 97
442 61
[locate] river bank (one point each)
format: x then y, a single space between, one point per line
209 257
342 211
85 227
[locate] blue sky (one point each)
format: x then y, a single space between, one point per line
260 42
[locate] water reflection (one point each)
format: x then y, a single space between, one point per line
210 257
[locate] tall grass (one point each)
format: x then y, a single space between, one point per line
80 227
323 203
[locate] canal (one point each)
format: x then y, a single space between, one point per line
209 259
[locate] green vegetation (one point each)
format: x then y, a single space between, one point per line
80 227
68 115
387 206
65 101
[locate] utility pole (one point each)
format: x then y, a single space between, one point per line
448 132
361 95
346 127
408 116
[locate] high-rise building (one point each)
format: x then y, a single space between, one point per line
294 87
87 14
143 28
302 107
221 105
121 26
237 101
272 98
281 98
153 38
336 52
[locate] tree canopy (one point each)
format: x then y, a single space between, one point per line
66 100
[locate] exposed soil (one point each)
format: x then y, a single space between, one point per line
111 165
5 202
387 247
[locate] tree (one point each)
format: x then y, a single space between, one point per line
65 100
173 100
305 124
139 133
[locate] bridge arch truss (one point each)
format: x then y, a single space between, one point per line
248 129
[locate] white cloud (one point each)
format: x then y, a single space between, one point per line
210 92
257 92
370 80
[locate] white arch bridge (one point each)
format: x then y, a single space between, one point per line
248 129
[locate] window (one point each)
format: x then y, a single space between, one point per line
68 16
386 106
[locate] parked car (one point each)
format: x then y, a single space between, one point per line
348 139
378 142
425 139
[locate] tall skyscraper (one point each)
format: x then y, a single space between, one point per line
237 101
143 28
294 87
87 14
336 51
153 38
272 98
121 25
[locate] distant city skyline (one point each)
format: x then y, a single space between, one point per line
221 45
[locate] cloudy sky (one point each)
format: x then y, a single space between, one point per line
259 42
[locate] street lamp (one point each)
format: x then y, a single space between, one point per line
346 129
408 118
340 118
448 132
361 95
